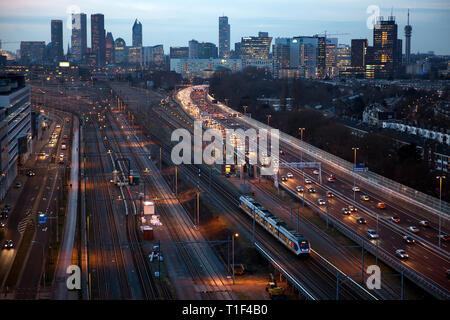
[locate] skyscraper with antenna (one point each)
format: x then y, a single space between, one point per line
408 30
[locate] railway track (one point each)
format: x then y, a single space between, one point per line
148 286
209 282
111 283
314 265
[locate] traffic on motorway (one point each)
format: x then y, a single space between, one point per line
408 237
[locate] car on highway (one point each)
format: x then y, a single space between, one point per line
30 173
332 177
9 244
308 181
352 208
321 202
282 152
409 239
42 155
424 223
283 178
365 197
372 234
227 174
2 225
316 172
7 206
356 189
4 214
346 211
311 190
381 205
299 189
18 185
58 126
289 175
400 253
63 146
361 220
65 136
329 179
413 229
444 237
330 194
395 219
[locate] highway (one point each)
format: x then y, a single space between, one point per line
429 262
39 193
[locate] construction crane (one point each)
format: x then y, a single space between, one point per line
324 34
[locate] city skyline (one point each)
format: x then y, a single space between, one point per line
165 28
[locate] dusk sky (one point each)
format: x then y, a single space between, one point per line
175 22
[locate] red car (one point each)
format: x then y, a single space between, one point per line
395 219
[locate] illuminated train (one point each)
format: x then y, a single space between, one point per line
291 239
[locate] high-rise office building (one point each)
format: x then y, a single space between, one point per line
256 47
194 48
304 55
109 45
331 69
98 38
224 38
344 54
408 31
79 36
152 56
385 47
137 34
358 53
237 50
32 52
57 51
399 53
179 52
321 56
281 55
208 50
120 51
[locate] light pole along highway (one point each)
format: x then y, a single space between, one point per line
440 207
355 149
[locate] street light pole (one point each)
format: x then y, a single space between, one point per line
235 235
301 139
440 207
354 173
